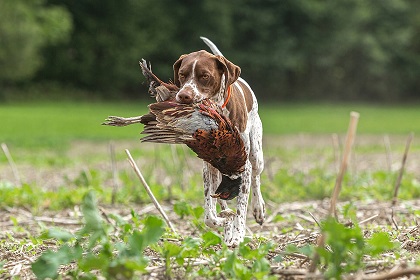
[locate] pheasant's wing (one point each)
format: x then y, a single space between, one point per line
171 122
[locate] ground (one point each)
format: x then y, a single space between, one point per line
287 222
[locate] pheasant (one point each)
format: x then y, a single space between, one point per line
201 126
157 88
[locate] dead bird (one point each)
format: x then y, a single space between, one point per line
206 131
201 126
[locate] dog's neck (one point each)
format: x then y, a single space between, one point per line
219 98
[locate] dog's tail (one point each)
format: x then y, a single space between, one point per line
212 46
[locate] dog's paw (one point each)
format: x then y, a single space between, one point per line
233 236
233 242
229 214
258 210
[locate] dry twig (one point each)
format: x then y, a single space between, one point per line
398 182
404 160
149 191
12 164
394 274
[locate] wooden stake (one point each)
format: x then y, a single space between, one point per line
149 191
12 164
351 132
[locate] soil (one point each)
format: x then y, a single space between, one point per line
288 223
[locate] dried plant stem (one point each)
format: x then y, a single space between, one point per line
351 132
404 160
394 274
369 219
149 191
12 164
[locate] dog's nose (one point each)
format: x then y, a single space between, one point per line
184 97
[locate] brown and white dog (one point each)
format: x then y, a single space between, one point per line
201 75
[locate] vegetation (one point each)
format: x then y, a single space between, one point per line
26 29
71 207
46 124
288 50
122 256
72 214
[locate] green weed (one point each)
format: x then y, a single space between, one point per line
93 247
117 250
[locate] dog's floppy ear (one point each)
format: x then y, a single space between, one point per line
177 64
231 71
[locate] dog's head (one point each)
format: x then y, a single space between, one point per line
201 75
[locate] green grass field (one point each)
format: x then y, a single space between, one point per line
45 124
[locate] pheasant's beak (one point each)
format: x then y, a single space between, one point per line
222 195
216 195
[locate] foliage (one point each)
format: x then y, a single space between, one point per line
93 247
117 250
26 27
347 246
292 49
344 249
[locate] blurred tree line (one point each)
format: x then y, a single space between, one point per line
288 49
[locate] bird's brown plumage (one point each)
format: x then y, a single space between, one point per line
202 128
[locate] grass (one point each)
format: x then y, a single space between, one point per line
65 149
333 118
50 124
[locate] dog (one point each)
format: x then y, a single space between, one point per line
201 75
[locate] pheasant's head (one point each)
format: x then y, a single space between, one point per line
228 188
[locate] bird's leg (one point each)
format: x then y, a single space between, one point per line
120 121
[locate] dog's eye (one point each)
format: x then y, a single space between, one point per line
205 77
181 76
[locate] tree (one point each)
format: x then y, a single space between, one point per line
25 28
110 37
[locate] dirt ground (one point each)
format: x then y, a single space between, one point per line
297 226
298 223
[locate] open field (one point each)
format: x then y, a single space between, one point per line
57 123
62 153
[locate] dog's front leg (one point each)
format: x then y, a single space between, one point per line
212 179
235 231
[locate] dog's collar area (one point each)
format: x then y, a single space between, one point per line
228 96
